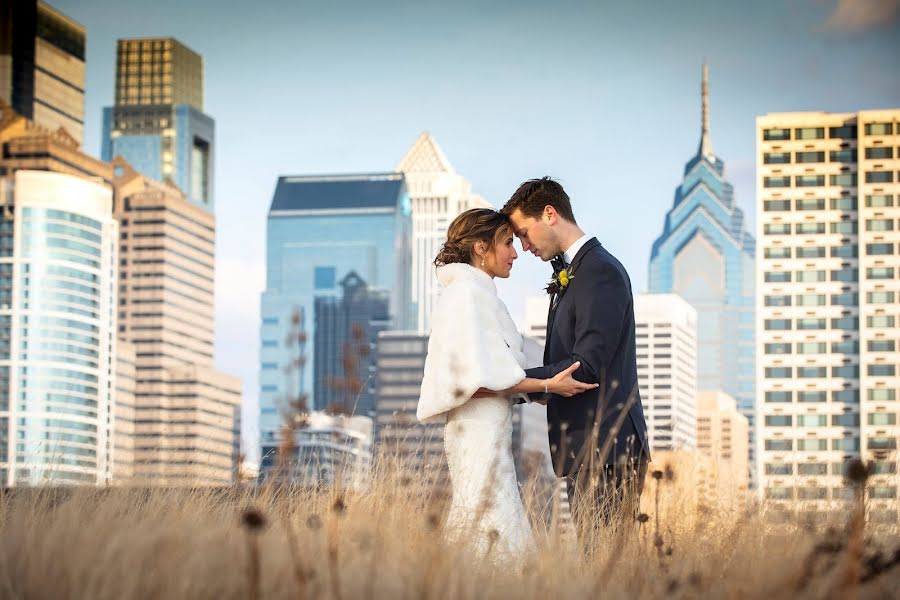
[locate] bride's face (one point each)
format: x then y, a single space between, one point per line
498 261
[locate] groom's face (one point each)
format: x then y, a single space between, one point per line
536 235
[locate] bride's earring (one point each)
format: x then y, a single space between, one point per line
482 261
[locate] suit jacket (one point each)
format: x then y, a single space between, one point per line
592 321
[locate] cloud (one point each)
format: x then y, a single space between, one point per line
859 16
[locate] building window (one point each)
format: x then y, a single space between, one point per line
810 276
880 272
879 129
845 275
882 492
845 371
848 444
845 396
879 224
776 135
778 276
779 252
809 133
268 366
812 493
879 249
845 347
844 180
812 469
879 201
845 323
810 204
779 397
812 420
776 158
881 370
777 324
880 177
882 419
845 420
777 228
777 182
779 493
778 348
810 228
880 321
844 132
776 205
779 469
779 420
324 278
845 299
848 251
810 324
778 373
883 443
269 344
810 180
811 252
879 152
881 345
844 227
812 445
779 445
844 203
811 300
810 373
810 157
846 155
778 300
882 395
270 321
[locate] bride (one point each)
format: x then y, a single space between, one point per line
475 362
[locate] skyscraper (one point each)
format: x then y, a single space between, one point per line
666 336
184 410
828 195
57 316
320 228
706 256
157 123
346 329
42 65
437 195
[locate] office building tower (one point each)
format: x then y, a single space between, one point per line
438 194
706 255
828 194
42 66
157 123
722 434
320 229
185 410
666 336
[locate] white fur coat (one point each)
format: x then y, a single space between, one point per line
474 343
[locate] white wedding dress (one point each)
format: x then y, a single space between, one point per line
474 344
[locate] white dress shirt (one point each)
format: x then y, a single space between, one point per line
569 255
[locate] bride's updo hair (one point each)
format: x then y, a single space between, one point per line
473 226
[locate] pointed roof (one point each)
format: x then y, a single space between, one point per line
705 148
425 156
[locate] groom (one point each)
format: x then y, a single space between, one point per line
598 439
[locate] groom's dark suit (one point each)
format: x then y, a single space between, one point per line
592 321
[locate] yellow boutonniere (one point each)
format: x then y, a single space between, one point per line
560 281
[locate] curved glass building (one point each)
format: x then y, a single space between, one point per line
58 254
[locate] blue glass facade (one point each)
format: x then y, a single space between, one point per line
165 141
320 229
706 255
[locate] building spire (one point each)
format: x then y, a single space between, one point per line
706 148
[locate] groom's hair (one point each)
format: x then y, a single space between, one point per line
533 195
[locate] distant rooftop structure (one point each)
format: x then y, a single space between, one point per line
331 192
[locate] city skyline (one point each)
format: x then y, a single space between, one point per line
467 89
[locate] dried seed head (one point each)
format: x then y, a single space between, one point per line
493 535
433 521
253 519
670 473
657 475
314 522
643 518
339 507
857 471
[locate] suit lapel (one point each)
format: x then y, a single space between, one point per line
555 298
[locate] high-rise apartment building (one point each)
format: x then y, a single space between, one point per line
706 255
346 329
157 123
666 339
42 65
828 194
722 436
57 329
184 409
437 194
319 230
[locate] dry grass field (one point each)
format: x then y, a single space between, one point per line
385 542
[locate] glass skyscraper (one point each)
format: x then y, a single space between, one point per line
58 255
706 255
320 229
157 123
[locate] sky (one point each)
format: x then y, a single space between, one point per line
604 96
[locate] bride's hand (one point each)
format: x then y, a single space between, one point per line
563 384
